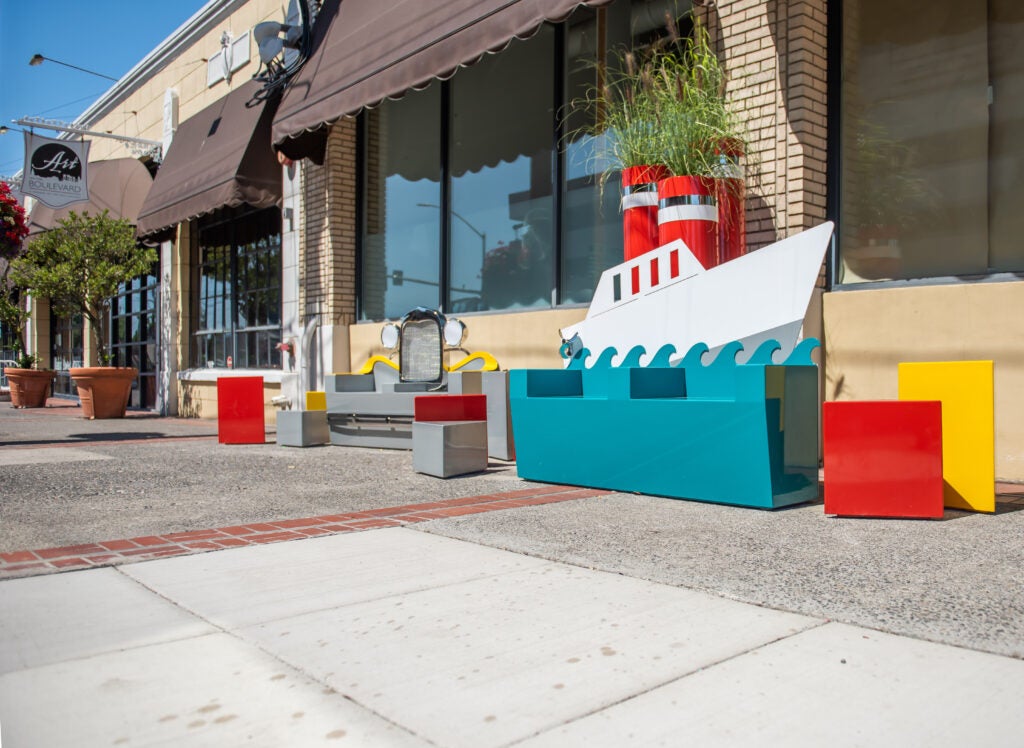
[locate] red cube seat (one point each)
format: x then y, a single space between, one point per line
883 458
240 415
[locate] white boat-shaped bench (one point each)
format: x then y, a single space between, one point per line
667 297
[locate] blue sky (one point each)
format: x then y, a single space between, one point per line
107 36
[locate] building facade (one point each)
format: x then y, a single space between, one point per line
216 296
426 159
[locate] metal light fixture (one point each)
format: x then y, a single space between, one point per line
389 336
454 332
37 59
283 47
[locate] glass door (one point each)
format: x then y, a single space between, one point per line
135 334
67 351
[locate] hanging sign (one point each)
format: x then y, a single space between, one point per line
55 171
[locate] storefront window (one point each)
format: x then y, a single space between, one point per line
930 151
401 265
502 179
592 223
476 197
239 290
495 121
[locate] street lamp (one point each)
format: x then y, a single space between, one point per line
37 59
474 229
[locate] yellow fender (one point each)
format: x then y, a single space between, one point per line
367 368
480 361
487 362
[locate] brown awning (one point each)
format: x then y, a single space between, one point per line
118 186
365 51
220 157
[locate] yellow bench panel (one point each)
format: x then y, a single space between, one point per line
316 400
968 426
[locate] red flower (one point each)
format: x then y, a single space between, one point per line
12 220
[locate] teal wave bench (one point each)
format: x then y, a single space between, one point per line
743 434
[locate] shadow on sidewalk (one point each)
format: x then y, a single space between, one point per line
114 436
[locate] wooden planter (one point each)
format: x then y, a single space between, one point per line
29 387
104 390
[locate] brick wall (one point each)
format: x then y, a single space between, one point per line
327 266
775 54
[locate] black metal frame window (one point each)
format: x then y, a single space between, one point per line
238 282
135 334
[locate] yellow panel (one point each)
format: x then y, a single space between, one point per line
371 362
316 400
968 426
479 361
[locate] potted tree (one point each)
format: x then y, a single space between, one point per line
29 386
79 266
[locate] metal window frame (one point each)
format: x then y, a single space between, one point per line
231 332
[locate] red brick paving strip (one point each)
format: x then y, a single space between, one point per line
110 552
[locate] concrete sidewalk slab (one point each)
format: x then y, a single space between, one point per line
834 685
397 637
495 660
955 581
265 583
210 690
71 616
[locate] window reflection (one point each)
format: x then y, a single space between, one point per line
402 216
502 229
592 239
931 153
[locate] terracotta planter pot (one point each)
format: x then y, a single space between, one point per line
104 390
29 387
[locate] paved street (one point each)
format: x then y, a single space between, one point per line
478 611
143 475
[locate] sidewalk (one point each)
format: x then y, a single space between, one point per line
489 611
394 637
